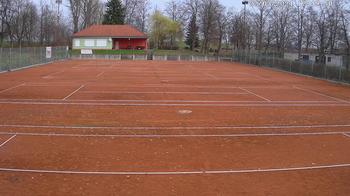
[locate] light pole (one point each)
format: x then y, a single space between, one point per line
59 2
57 34
245 3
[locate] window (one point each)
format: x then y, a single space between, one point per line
329 59
101 43
89 42
77 42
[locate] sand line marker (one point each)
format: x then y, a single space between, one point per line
82 86
202 104
255 94
321 94
11 88
178 128
346 134
100 74
206 172
8 140
159 92
172 135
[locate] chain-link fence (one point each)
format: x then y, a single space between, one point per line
15 58
337 72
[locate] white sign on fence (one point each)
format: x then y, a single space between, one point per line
48 52
86 52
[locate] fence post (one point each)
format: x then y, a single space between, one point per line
10 61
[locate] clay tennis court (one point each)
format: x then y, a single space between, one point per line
171 128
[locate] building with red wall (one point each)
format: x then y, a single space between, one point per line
110 37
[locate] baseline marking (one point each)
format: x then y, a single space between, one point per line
161 101
321 94
148 92
247 171
255 94
8 140
179 128
175 136
175 104
82 86
11 88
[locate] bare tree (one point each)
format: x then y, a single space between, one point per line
282 26
208 18
174 11
90 11
142 15
5 13
309 27
263 9
222 21
322 33
345 25
75 7
300 10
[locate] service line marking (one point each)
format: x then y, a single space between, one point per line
11 88
68 96
202 172
100 74
53 74
211 76
255 94
174 136
179 128
346 134
321 94
8 140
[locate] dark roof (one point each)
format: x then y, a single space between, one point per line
110 31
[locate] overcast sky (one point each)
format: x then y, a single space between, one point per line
160 3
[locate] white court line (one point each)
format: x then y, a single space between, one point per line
346 134
51 75
255 94
175 136
175 104
321 94
159 101
11 88
165 86
256 76
179 128
232 171
3 144
100 74
68 96
211 76
149 92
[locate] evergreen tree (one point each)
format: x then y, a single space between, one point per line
115 13
192 38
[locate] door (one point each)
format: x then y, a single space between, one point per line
116 45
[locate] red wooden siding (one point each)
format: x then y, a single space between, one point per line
126 43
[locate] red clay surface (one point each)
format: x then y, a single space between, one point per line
171 128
